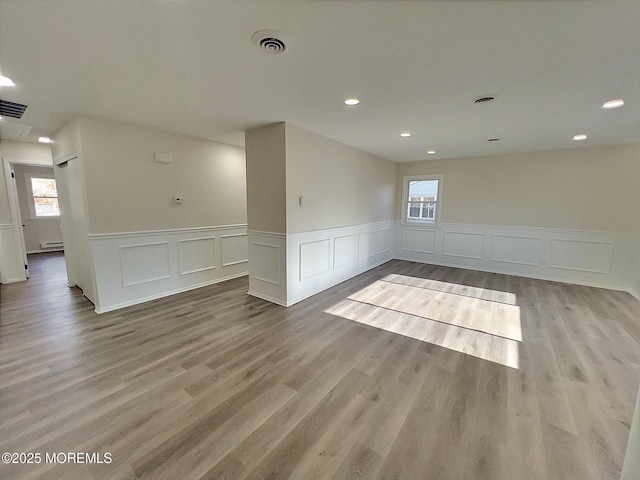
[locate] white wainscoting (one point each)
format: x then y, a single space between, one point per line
600 259
135 267
268 266
11 264
635 279
320 259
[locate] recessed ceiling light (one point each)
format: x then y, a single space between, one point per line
6 82
45 140
493 140
405 134
613 103
351 101
431 152
582 136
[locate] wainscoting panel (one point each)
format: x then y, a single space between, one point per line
345 250
600 259
234 249
268 266
514 249
366 245
134 267
353 249
197 255
144 263
463 244
315 258
418 240
384 240
584 256
11 264
265 265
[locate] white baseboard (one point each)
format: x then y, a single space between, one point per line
268 298
506 272
355 273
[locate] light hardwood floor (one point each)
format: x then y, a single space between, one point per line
408 371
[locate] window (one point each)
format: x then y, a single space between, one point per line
422 194
43 194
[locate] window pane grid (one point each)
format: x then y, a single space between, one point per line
45 197
421 200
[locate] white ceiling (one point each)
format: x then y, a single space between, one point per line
189 66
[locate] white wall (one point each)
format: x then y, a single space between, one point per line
343 228
594 188
127 190
11 261
341 185
131 242
631 466
72 194
569 215
36 230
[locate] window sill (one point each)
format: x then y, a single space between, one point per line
45 218
426 226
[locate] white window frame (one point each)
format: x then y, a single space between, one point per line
405 200
32 206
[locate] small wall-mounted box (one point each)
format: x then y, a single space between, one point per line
162 157
178 200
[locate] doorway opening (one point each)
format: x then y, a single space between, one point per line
35 213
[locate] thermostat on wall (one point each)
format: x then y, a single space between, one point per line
162 157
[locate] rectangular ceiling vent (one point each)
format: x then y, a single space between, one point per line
11 109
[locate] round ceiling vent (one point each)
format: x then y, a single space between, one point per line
269 41
484 100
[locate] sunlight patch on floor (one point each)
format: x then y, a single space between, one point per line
456 288
485 329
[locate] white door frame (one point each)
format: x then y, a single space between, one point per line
16 219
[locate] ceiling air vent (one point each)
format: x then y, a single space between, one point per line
11 109
484 100
269 41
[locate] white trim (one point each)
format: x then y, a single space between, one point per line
62 158
164 279
268 298
264 279
560 267
529 229
266 234
609 267
181 260
363 253
100 236
523 237
28 176
5 225
332 230
19 257
149 298
325 286
146 280
405 198
511 273
236 262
